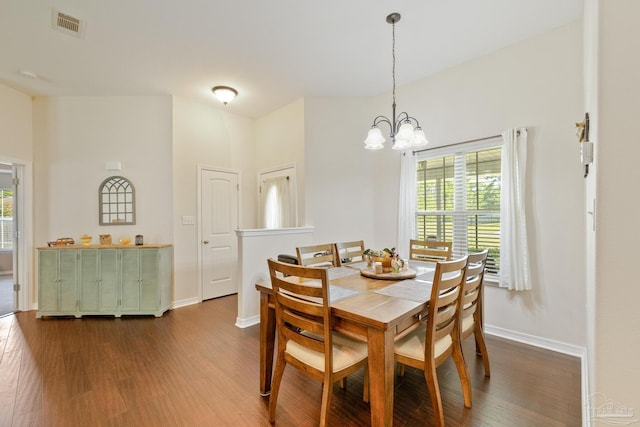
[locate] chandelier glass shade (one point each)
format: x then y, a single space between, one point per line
405 131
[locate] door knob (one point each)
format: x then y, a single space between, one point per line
206 242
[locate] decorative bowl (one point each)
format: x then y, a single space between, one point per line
386 263
85 239
125 240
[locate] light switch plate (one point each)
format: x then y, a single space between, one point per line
188 220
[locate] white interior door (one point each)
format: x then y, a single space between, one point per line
219 196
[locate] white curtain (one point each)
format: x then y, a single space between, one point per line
406 203
276 203
514 254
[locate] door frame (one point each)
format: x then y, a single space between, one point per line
202 168
23 238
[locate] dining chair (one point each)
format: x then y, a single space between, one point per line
306 339
351 252
324 255
471 322
438 338
429 250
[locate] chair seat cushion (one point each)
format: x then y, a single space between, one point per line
413 344
346 352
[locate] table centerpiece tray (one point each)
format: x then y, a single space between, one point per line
401 275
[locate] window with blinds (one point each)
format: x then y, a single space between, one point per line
458 200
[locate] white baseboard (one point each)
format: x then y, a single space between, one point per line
185 302
560 347
247 321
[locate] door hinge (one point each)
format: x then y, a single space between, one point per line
15 181
238 187
16 287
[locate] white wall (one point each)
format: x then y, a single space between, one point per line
616 340
16 133
254 248
203 135
280 140
339 193
73 139
535 84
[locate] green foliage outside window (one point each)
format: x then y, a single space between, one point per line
6 203
436 197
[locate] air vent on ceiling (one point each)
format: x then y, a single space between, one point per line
67 24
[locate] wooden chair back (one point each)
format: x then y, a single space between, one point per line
443 318
350 252
324 255
439 338
429 250
471 322
302 305
304 328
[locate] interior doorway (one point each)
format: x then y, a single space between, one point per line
8 196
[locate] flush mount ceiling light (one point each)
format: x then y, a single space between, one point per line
403 133
225 94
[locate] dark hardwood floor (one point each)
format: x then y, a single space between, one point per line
193 367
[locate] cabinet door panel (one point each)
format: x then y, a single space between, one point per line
89 285
48 280
67 280
130 280
149 276
108 280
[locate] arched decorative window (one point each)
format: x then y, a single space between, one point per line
117 200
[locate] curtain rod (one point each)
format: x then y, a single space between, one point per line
460 143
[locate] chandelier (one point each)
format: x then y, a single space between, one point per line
403 132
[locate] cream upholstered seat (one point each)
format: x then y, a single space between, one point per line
438 338
471 301
306 339
429 250
350 252
324 255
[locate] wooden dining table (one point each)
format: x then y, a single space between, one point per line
373 310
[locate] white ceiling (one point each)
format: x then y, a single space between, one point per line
272 52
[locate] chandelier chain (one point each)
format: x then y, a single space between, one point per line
393 57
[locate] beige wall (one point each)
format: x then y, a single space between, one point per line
73 139
279 141
205 136
339 192
348 192
616 339
535 84
16 129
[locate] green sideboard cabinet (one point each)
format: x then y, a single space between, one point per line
104 280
